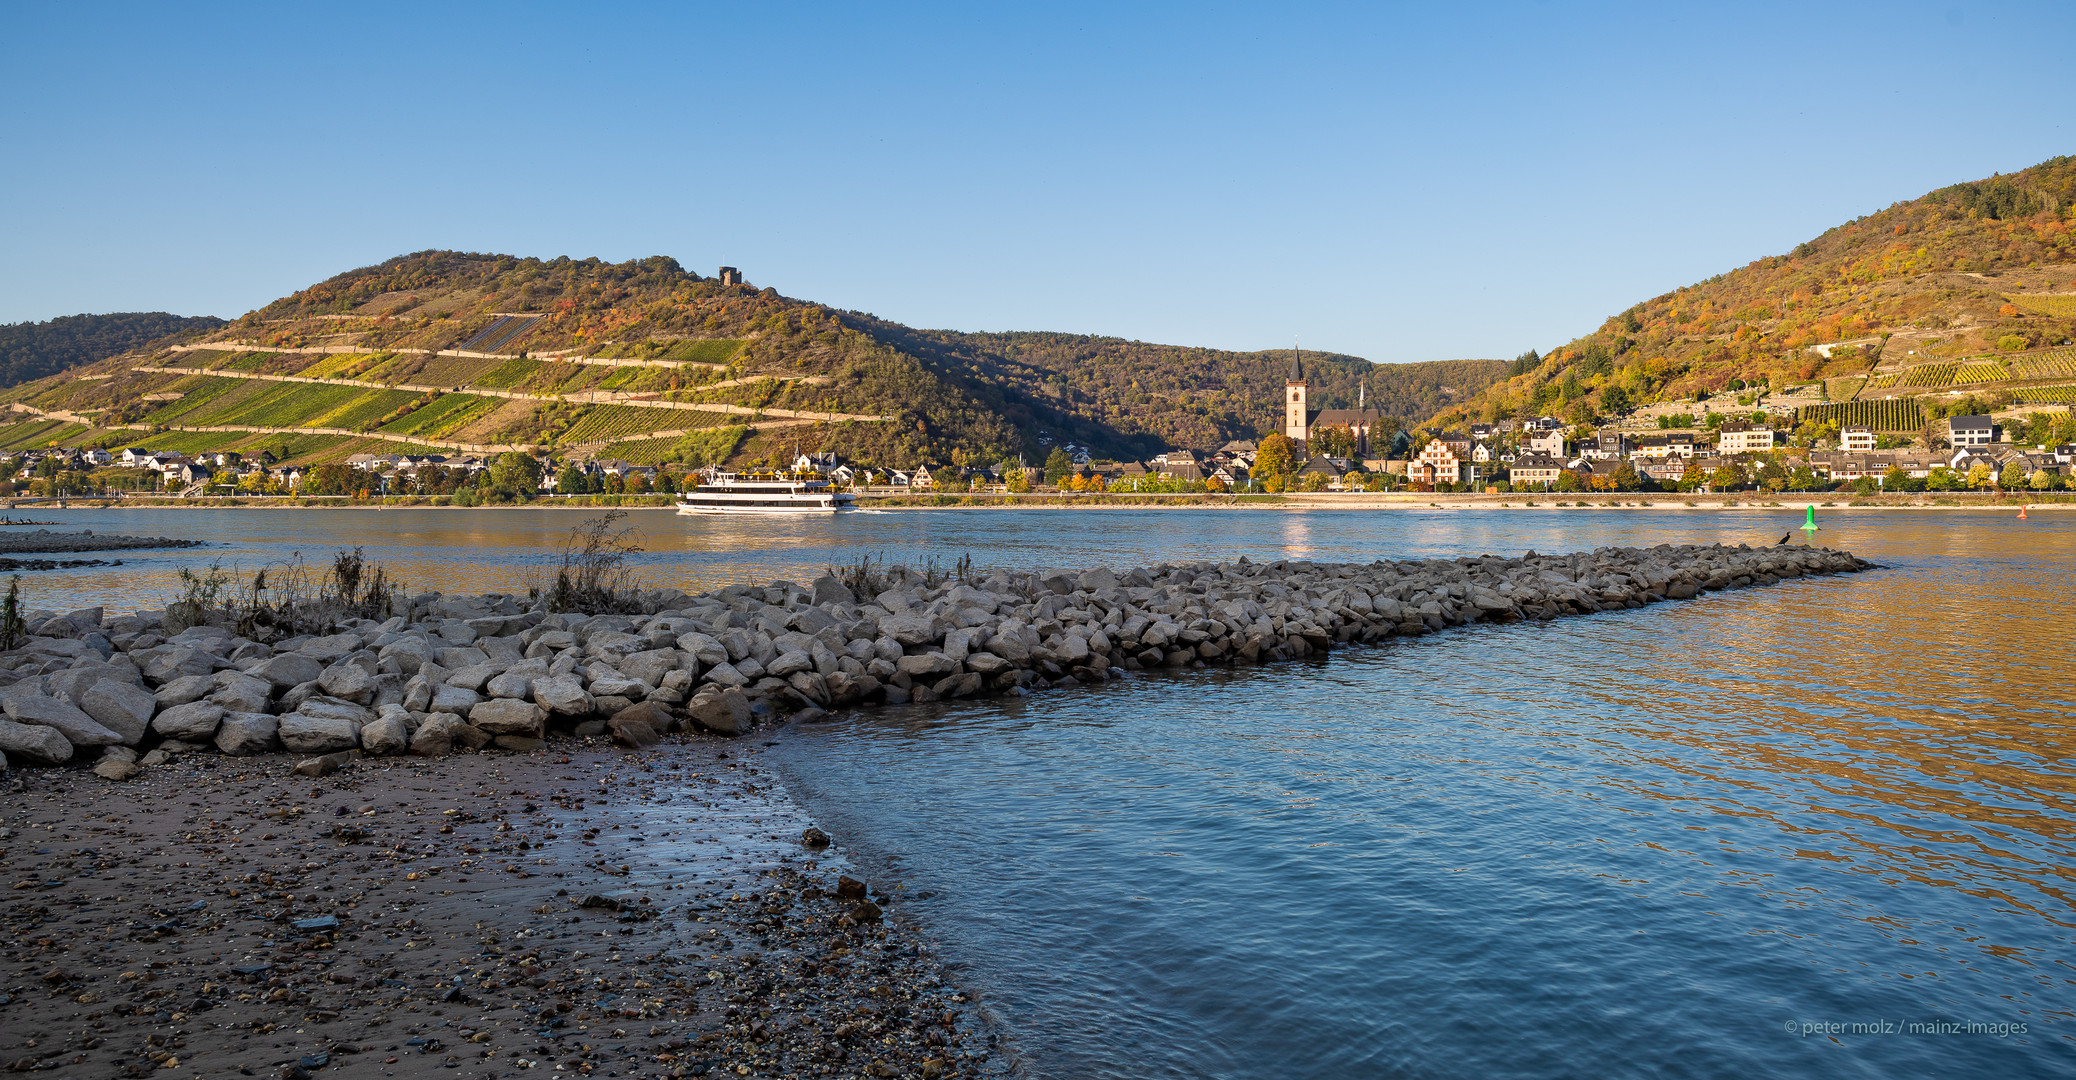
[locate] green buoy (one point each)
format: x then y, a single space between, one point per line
1809 524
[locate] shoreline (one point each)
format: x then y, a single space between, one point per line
1227 503
492 912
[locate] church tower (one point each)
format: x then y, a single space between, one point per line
1294 405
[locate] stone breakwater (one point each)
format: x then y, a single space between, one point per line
486 672
43 540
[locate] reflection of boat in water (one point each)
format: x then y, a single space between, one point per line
729 493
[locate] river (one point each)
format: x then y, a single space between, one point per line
1686 840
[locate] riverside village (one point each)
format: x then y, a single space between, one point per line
1784 441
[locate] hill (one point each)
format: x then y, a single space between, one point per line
1984 270
32 350
648 361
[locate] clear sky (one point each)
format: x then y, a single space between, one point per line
1402 182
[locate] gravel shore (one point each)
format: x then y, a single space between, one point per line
584 908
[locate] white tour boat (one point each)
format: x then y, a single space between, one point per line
727 493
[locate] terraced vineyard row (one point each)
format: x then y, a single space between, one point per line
449 413
1898 415
1883 382
1931 375
37 434
2051 364
197 393
601 423
2048 395
2060 307
509 374
455 371
1990 371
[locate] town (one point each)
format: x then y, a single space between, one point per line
1317 450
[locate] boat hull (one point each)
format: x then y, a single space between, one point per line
696 511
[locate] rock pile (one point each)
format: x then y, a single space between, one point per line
485 672
43 540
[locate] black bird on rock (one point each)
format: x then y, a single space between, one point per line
1784 538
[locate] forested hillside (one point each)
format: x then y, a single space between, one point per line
1135 399
1987 267
32 350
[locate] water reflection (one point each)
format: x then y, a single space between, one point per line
1634 844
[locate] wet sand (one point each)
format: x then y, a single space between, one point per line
581 908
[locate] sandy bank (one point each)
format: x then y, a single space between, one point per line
180 924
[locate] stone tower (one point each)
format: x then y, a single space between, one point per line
1294 400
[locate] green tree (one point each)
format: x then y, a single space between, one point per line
1614 401
2013 477
1057 465
570 481
2042 480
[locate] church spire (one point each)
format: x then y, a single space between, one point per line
1297 370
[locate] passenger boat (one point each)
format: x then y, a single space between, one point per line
730 493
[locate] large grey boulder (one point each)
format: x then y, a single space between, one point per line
243 734
387 735
828 590
409 653
784 664
182 690
614 685
708 650
726 674
348 681
726 712
509 685
239 692
287 670
193 722
436 734
73 683
474 676
33 742
164 663
77 727
651 666
453 699
562 694
909 629
333 708
122 707
1009 647
509 716
304 734
329 650
927 665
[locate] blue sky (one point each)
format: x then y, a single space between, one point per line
1398 182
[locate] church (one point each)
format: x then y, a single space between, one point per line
1298 421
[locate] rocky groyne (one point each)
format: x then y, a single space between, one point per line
489 672
45 541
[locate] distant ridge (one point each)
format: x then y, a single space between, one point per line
32 350
1984 267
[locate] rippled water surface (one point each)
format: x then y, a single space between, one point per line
1644 843
1664 842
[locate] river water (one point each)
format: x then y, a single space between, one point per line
1680 841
